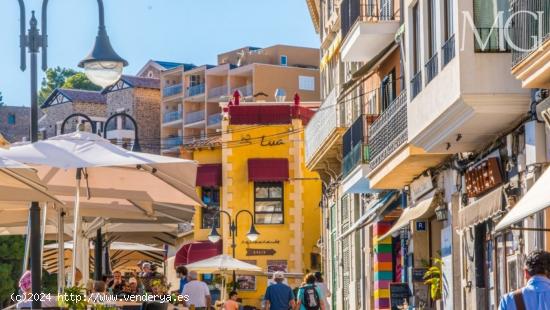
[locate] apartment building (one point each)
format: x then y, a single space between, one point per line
191 95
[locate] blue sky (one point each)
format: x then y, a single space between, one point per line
174 30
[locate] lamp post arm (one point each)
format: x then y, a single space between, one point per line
231 225
137 146
239 213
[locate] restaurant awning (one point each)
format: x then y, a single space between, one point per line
535 200
196 251
267 169
480 210
423 209
375 208
209 175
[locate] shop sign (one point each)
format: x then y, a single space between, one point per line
260 252
483 177
420 225
399 295
264 141
421 186
418 274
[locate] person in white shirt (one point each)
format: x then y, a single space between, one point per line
196 292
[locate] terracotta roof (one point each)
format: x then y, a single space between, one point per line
214 141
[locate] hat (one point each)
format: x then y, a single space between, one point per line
278 275
132 280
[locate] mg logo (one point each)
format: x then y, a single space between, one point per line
501 29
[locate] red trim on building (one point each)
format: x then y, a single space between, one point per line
268 114
209 175
267 169
196 251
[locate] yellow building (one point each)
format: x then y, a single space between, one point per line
257 164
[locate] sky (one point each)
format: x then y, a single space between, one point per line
191 31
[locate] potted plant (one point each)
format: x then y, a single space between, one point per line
73 298
434 278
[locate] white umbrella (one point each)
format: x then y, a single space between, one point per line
108 172
223 264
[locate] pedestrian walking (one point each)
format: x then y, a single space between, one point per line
279 296
310 296
196 292
181 273
536 293
320 283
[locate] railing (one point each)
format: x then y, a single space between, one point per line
448 50
431 68
171 116
171 142
490 40
194 90
214 119
388 132
416 84
354 144
172 90
358 155
217 92
525 27
352 11
193 117
246 90
321 126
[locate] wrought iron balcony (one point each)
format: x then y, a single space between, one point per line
525 28
214 119
416 84
448 50
194 117
323 124
194 90
432 68
217 92
354 146
171 116
355 10
388 132
172 90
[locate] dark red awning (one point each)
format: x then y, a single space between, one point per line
267 169
196 251
209 175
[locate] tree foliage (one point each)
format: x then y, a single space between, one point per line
63 77
434 278
12 250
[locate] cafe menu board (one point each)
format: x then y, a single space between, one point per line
399 296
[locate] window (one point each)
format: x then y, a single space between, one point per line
268 203
284 60
211 198
416 39
388 90
11 119
486 13
432 29
306 83
449 29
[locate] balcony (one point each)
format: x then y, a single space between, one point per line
214 119
194 117
432 67
215 93
245 91
531 60
171 116
172 90
195 90
323 136
367 28
448 50
171 142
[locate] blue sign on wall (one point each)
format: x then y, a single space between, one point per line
420 225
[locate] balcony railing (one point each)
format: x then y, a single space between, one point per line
172 90
217 92
171 116
322 125
448 50
194 90
416 84
388 132
525 28
214 119
352 11
431 68
246 90
354 146
193 117
359 155
171 142
491 40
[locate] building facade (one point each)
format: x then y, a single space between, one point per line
191 95
257 165
15 123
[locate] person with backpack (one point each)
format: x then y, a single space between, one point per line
536 293
310 296
279 296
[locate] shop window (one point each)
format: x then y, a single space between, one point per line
211 198
268 203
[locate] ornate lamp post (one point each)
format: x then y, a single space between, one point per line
103 67
252 234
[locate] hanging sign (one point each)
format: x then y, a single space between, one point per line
260 252
399 296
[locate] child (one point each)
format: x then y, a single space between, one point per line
231 303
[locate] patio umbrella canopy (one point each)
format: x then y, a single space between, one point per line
85 163
223 264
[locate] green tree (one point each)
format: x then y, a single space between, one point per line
12 250
80 81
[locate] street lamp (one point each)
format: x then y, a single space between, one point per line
100 68
252 234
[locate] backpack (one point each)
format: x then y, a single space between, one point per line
310 298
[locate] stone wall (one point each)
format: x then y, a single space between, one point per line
57 113
21 129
